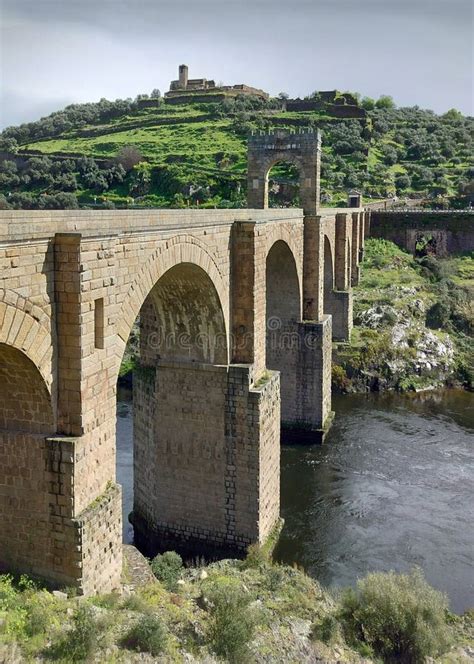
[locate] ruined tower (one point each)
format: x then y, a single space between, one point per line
183 76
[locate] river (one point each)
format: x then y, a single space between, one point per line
391 488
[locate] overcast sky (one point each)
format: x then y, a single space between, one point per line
55 52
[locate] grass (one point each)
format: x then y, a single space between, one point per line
229 610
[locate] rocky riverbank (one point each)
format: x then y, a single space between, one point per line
413 324
231 611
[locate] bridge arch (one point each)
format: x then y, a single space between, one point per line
185 249
179 391
26 420
302 150
25 332
283 314
25 398
185 312
328 274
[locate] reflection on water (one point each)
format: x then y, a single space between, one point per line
392 487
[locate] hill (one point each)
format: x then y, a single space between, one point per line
126 153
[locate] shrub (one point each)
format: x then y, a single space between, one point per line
438 315
148 635
232 621
327 630
256 557
339 380
167 568
80 643
399 616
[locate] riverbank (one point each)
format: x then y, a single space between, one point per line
234 611
413 324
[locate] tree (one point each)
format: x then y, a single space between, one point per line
385 102
141 179
402 181
389 155
128 157
368 103
283 95
452 114
155 94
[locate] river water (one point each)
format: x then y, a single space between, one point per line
391 488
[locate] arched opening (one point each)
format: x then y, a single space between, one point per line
25 403
283 185
26 418
172 421
328 276
283 313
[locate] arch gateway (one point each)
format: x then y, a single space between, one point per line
208 286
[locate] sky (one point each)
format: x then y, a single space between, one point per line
57 52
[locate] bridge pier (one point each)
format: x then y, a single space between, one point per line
206 459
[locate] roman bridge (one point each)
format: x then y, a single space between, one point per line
237 312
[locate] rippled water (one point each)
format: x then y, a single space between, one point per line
392 487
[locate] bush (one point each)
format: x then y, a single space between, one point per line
232 621
167 568
327 630
80 643
399 616
340 383
148 635
256 557
438 315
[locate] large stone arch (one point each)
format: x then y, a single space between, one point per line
25 398
26 420
181 249
265 150
184 313
328 273
27 332
283 315
282 233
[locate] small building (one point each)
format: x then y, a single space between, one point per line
354 199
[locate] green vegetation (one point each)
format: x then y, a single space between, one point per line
414 323
195 154
232 621
147 635
397 617
235 611
167 567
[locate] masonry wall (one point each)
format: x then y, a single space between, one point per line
453 231
71 285
179 452
210 482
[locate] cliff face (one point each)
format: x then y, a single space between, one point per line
413 323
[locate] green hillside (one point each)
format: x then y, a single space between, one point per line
122 154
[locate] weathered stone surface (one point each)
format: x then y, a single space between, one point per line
207 414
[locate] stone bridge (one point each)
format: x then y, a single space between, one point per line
237 310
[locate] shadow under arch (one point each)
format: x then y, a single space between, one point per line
185 320
283 314
26 420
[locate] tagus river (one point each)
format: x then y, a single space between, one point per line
391 488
